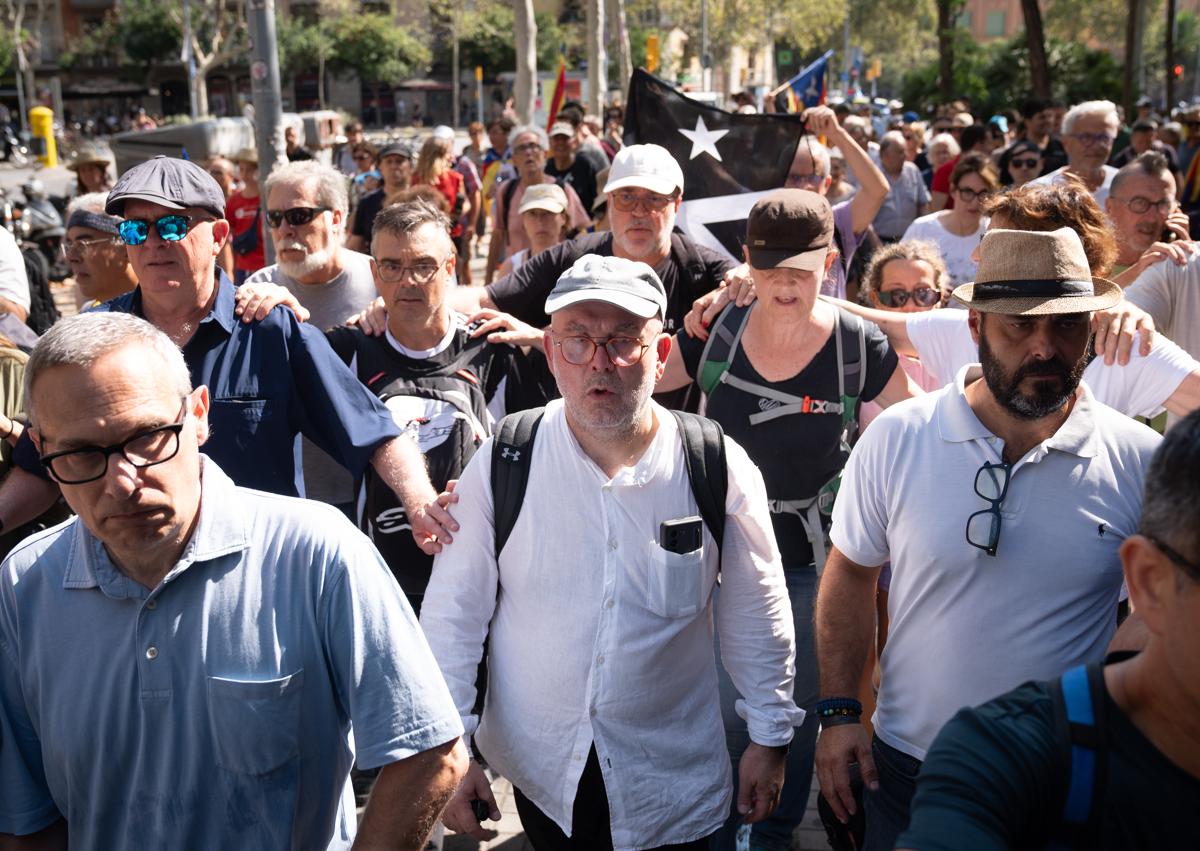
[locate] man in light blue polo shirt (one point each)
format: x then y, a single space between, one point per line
190 663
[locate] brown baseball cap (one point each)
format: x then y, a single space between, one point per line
790 228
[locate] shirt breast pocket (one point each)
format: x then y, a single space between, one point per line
675 586
237 418
255 725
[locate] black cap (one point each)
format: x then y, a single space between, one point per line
169 182
395 149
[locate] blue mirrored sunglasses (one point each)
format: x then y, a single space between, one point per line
170 228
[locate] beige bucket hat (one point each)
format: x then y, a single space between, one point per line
1031 273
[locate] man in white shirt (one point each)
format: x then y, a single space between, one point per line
1001 504
1089 130
602 706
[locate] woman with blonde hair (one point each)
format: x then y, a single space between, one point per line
435 167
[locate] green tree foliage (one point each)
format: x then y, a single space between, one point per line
138 32
373 47
996 75
298 43
486 38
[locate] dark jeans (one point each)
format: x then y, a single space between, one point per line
590 821
774 833
887 808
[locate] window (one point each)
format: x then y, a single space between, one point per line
995 24
964 19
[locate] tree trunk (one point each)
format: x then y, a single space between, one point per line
456 70
945 35
526 79
1039 69
321 73
201 83
597 57
619 34
1133 54
378 105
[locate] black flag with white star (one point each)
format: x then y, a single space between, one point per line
729 160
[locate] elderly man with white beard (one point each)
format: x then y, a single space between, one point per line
306 215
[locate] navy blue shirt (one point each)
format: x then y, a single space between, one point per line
270 382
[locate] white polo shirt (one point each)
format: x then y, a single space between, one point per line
966 626
944 345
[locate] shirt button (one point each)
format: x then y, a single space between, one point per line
152 604
609 603
599 660
592 711
612 544
152 653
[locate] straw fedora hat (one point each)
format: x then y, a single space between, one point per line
90 155
246 155
1031 273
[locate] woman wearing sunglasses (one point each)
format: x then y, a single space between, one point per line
956 232
907 277
1021 164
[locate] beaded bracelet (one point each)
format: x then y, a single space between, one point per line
835 706
838 720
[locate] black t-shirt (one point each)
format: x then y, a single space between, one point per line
687 273
449 421
1127 155
797 454
997 775
368 208
580 176
523 293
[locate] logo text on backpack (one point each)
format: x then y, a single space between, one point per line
510 454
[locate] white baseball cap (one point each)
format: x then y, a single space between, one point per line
646 167
628 284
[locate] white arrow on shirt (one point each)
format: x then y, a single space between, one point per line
704 141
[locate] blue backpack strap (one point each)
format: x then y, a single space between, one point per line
1082 693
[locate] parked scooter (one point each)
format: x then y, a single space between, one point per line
38 223
15 150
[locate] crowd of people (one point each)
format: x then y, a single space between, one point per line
355 522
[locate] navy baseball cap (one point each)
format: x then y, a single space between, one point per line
172 183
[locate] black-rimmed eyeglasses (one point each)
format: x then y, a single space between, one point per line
144 449
983 527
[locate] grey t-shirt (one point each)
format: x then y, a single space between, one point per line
329 304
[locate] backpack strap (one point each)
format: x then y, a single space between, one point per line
704 453
851 344
689 260
511 456
1080 708
722 343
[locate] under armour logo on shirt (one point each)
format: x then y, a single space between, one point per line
510 454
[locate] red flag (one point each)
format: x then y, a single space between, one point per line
560 92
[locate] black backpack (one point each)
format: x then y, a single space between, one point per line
1080 719
704 451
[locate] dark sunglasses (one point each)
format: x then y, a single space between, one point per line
921 296
991 485
296 217
1030 163
170 228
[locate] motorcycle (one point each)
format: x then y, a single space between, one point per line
16 151
38 223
